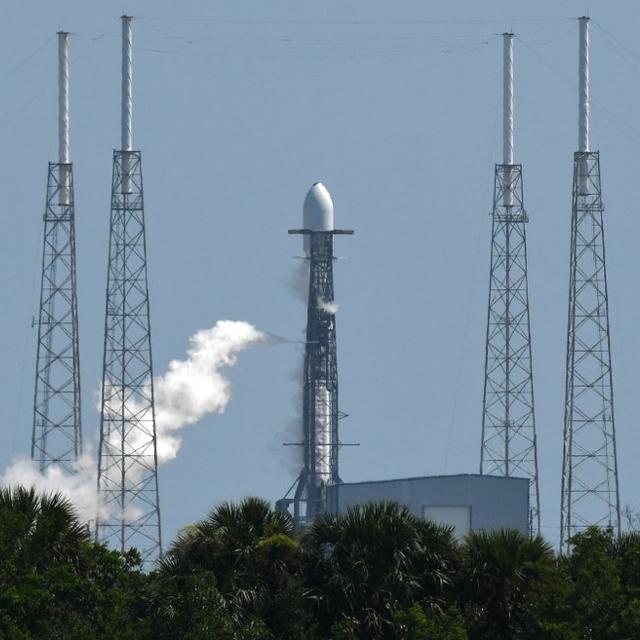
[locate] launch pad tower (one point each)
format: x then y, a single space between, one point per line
320 436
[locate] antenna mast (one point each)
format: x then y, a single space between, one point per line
57 429
127 471
590 494
509 446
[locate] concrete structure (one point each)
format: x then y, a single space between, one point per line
468 502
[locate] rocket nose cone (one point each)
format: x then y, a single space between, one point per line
317 212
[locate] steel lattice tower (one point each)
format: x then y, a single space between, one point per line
57 432
508 418
320 438
590 493
127 472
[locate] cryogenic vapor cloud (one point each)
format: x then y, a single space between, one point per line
299 281
189 390
80 487
328 306
195 387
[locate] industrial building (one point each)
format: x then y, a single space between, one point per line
467 501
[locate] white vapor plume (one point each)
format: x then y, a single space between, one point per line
194 387
299 281
290 432
328 306
80 487
189 390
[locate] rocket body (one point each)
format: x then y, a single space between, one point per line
320 410
320 414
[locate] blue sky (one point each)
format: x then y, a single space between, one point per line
238 108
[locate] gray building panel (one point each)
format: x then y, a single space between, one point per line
495 502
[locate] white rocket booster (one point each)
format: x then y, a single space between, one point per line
317 215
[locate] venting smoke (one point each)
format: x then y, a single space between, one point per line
299 281
291 456
80 487
328 306
189 390
194 387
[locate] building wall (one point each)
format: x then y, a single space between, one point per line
464 501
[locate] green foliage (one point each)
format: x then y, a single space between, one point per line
605 584
363 567
416 624
376 573
345 629
54 583
239 569
596 583
626 550
503 576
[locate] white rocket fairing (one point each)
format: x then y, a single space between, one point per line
317 212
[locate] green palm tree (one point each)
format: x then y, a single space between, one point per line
502 574
38 530
247 552
229 541
53 582
373 561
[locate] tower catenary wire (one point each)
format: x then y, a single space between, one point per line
589 490
57 429
128 493
509 442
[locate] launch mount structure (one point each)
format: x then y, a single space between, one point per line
509 445
321 414
128 463
590 494
57 431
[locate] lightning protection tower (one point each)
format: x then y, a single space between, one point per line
127 472
57 432
320 438
589 467
508 418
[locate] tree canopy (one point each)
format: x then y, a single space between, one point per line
375 573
